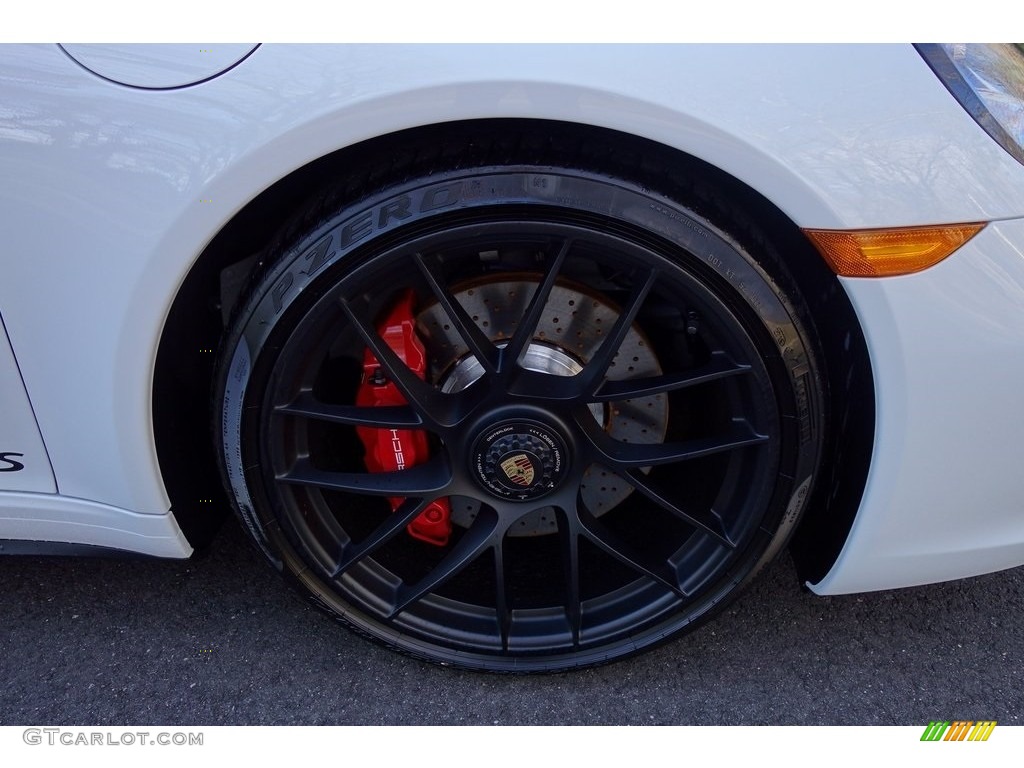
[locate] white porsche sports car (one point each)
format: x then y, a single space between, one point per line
517 358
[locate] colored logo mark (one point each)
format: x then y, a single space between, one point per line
958 730
519 469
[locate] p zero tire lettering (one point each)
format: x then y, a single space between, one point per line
317 256
441 197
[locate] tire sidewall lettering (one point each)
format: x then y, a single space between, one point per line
375 220
336 242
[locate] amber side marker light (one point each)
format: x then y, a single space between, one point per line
889 252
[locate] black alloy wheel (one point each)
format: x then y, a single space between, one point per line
622 410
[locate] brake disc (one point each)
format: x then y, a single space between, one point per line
573 325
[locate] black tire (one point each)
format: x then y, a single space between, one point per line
658 479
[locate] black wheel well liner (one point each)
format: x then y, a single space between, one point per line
195 324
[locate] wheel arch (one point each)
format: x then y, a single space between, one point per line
198 314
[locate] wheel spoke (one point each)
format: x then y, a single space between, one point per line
569 534
394 524
307 405
479 345
428 479
477 538
501 605
619 455
597 366
597 533
719 367
528 324
427 401
708 521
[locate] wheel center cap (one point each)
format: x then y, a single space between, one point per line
519 460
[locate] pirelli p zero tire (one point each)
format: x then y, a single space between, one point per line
618 414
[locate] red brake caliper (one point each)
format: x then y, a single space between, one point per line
390 450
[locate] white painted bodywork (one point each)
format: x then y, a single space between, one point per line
174 65
20 442
42 517
945 495
110 193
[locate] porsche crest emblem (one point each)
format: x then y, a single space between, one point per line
519 469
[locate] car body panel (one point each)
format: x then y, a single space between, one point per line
115 192
945 494
40 517
172 65
24 465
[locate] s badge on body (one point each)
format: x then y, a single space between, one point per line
8 462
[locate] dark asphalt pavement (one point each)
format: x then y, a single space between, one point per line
222 640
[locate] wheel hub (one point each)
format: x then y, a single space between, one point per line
567 336
519 460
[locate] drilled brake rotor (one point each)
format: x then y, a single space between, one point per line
571 329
